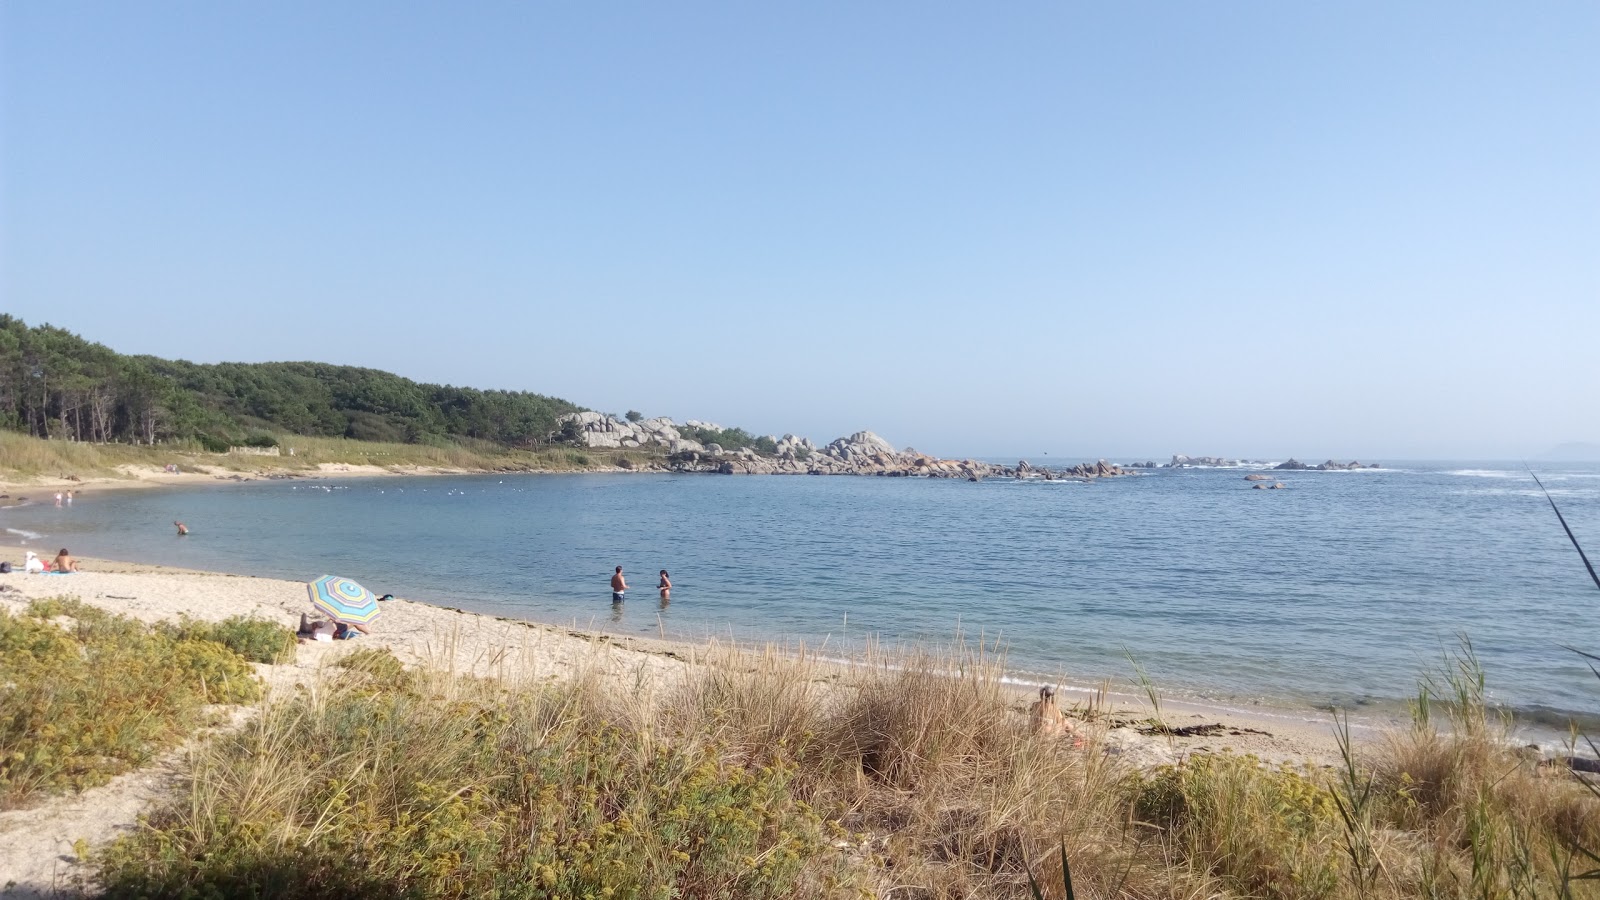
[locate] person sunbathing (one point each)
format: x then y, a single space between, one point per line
65 563
315 629
1045 717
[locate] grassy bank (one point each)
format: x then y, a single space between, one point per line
23 458
763 778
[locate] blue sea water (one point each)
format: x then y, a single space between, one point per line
1341 589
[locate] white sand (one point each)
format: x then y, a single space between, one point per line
43 488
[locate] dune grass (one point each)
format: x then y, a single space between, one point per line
769 775
441 786
1457 811
86 695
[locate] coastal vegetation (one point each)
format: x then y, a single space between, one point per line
25 456
769 776
72 406
86 695
57 385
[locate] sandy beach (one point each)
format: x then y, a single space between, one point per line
39 841
43 488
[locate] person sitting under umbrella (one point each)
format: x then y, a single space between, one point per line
348 604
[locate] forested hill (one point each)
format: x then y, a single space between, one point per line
55 384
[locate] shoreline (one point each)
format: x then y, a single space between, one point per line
148 477
44 840
423 633
1269 711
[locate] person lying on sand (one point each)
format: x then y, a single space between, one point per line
315 629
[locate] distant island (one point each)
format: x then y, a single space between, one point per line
1180 461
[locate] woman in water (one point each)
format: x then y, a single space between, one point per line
665 586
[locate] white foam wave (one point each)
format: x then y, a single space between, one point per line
1487 473
25 534
1524 492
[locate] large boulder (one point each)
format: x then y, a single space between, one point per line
860 444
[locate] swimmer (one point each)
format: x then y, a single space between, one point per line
665 586
182 528
619 585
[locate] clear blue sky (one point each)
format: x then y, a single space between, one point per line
1363 229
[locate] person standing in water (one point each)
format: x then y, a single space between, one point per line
665 586
619 585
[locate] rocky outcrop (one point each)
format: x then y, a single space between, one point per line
599 431
1329 466
862 453
1179 461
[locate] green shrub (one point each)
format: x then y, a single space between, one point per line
212 443
257 640
87 699
732 439
380 668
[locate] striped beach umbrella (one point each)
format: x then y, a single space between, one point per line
343 600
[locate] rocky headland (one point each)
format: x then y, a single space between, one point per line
1295 465
862 453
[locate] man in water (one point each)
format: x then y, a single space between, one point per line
618 585
182 528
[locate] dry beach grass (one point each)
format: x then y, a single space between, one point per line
455 755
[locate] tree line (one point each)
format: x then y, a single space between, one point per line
56 385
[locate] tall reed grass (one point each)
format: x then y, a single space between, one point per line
770 774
